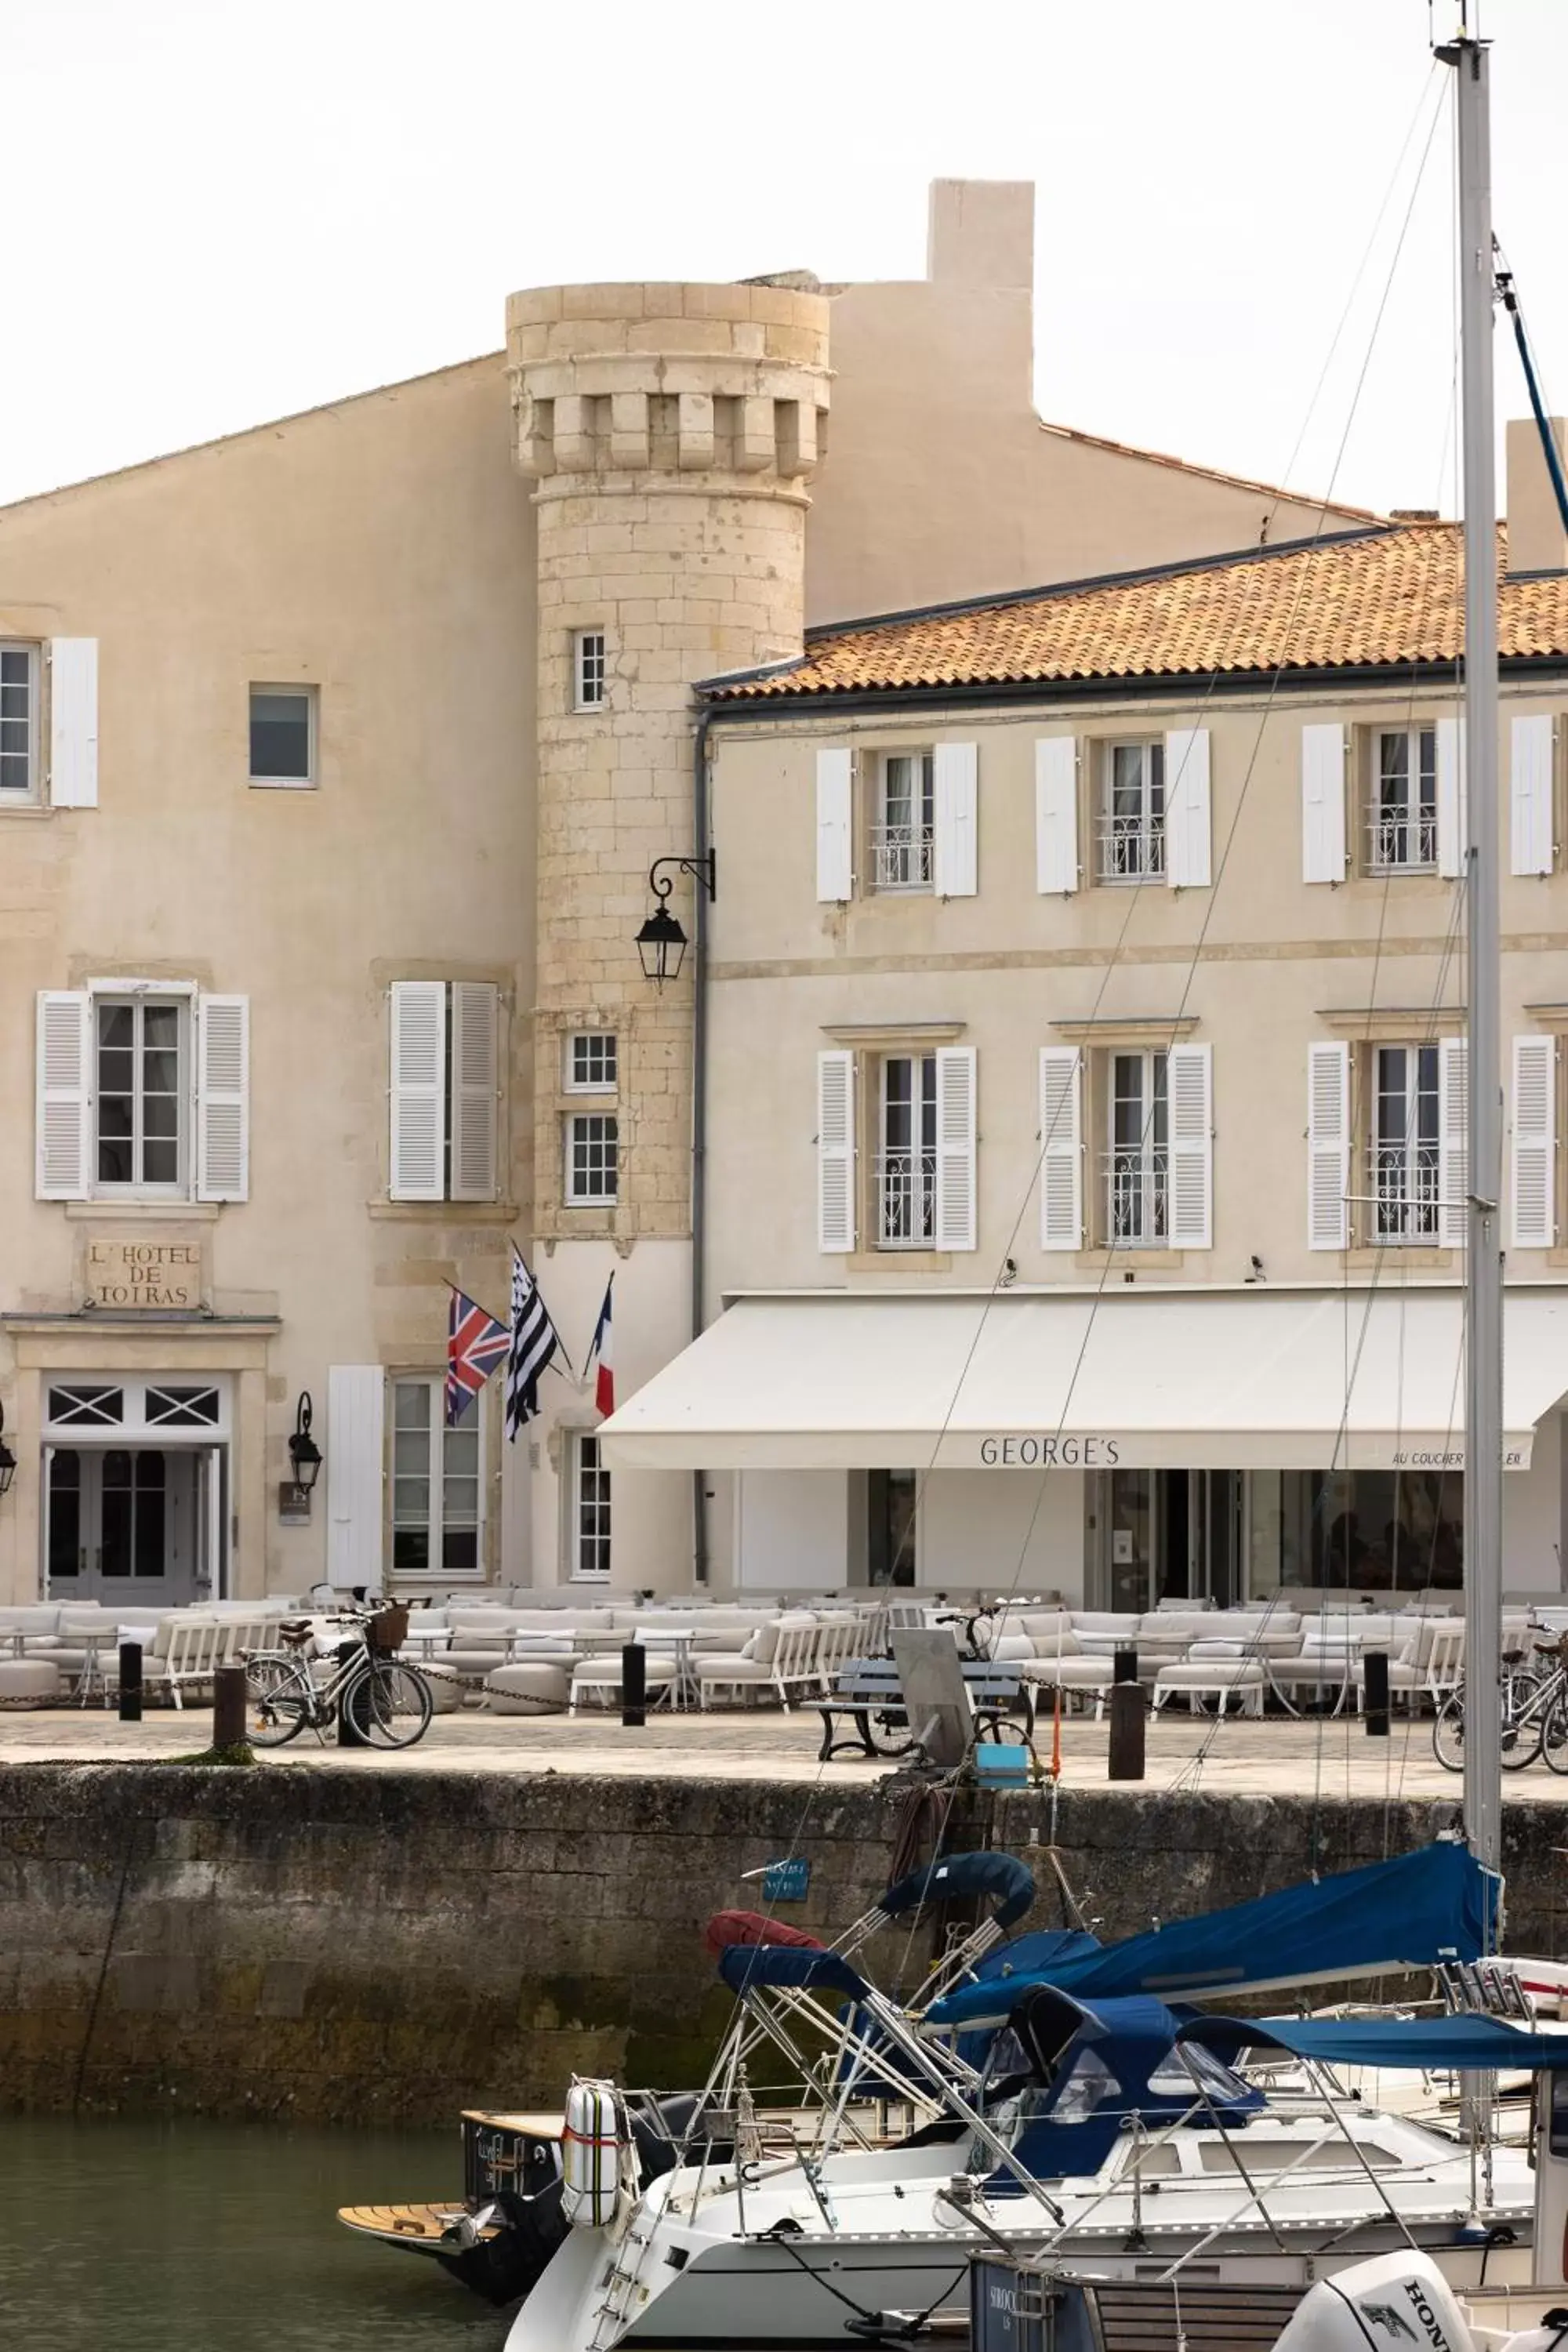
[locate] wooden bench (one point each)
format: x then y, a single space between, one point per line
869 1692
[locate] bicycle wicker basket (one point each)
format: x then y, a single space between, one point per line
388 1629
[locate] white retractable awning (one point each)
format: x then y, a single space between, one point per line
1303 1379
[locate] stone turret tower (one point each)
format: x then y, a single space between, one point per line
671 431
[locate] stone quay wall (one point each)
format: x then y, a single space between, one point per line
391 1946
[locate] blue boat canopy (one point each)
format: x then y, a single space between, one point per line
781 1968
1436 1905
1075 2075
1434 2044
1000 1876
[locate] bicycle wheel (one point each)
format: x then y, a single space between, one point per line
1448 1732
391 1704
1520 1732
278 1700
1555 1735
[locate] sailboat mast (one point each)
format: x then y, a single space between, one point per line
1483 1320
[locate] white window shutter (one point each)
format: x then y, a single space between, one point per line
1453 819
1055 814
1061 1148
1323 803
418 1089
355 1411
835 1152
1534 1142
835 863
1327 1145
955 1211
476 1034
955 796
1188 856
64 1130
1531 795
1453 1154
1189 1085
73 722
223 1098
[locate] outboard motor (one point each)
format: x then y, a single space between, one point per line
1388 2305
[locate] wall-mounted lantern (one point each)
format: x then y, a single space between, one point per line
661 943
7 1459
305 1460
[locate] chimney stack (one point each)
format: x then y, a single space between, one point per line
1537 540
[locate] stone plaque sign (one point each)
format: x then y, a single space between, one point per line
131 1274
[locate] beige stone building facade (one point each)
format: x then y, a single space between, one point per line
334 760
1087 1083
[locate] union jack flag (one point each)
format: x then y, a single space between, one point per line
476 1344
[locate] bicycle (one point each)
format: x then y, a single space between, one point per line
1532 1714
388 1703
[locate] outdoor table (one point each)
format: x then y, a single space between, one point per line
683 1690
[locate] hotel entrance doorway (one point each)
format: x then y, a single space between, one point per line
135 1491
1173 1535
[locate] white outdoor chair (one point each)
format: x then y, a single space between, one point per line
780 1657
186 1651
1431 1665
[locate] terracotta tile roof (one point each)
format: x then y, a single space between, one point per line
1386 598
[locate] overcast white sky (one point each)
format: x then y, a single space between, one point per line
221 210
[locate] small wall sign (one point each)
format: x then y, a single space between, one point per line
134 1274
294 1505
786 1882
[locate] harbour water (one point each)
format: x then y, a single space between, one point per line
194 2237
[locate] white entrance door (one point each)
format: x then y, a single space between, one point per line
131 1524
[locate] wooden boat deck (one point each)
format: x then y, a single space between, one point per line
421 2229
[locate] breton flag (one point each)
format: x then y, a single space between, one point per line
476 1344
603 1347
535 1342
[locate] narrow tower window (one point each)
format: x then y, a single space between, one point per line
588 670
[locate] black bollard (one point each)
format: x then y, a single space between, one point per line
130 1681
1376 1666
1124 1665
228 1707
1128 1721
349 1733
634 1686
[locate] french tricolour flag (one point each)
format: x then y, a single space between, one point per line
603 1347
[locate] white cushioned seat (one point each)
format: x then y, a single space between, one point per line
29 1682
528 1687
1223 1678
601 1678
445 1688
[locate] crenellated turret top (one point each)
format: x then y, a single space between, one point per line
670 380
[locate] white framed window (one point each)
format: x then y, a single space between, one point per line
904 1172
903 822
1406 1144
591 1063
1402 804
445 1088
588 670
438 1481
1132 812
593 1142
18 722
1138 1155
140 1129
143 1091
589 1506
283 735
